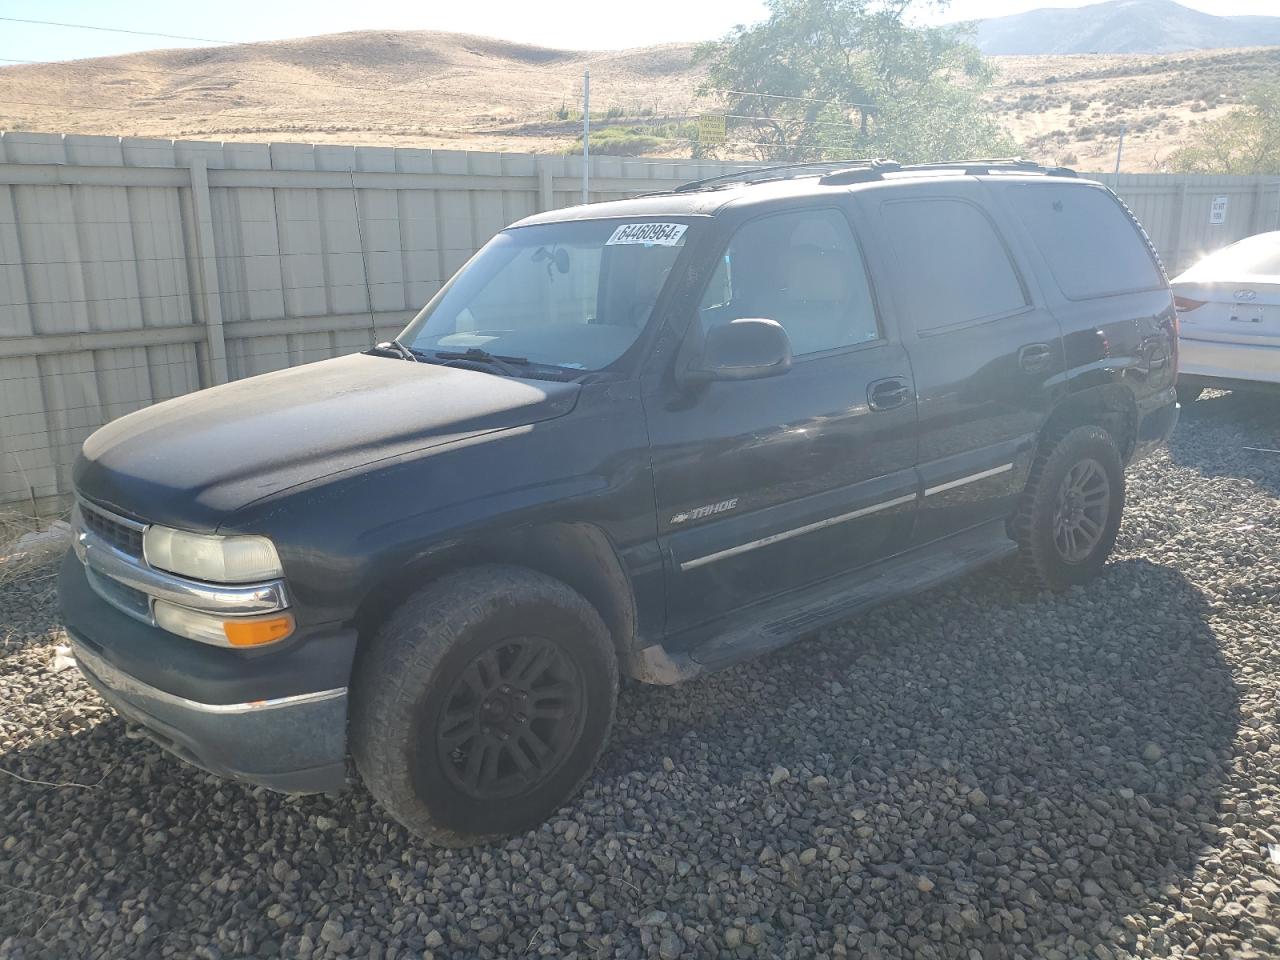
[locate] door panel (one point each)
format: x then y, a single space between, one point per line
985 354
767 485
764 486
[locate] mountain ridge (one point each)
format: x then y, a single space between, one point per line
1122 26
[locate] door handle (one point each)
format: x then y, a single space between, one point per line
1034 357
888 393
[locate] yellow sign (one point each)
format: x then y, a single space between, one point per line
711 128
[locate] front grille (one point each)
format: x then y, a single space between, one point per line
124 598
117 534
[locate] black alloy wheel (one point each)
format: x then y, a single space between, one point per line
1084 501
482 705
511 718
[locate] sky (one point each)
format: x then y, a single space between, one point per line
572 24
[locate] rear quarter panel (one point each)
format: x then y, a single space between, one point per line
1126 338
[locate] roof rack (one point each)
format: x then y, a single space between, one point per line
782 171
972 168
836 172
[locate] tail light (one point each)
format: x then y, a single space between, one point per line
1186 304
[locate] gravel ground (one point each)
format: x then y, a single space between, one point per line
979 772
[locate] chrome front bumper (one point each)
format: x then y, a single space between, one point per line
291 744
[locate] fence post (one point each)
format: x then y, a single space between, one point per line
207 271
546 187
1259 201
1178 206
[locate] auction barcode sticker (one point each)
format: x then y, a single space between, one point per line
662 234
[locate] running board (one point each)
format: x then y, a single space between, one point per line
764 627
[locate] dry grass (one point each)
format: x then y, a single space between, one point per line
466 92
19 558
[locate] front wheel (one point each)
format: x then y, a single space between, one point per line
483 705
1070 512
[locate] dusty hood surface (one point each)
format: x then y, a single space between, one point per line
194 460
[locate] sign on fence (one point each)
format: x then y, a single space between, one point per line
1218 210
712 128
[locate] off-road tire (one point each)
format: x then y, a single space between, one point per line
414 663
1033 526
1188 393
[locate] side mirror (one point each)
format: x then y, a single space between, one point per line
744 349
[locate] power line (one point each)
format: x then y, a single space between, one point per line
443 132
136 33
215 114
779 96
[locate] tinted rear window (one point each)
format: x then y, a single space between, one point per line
1094 249
950 265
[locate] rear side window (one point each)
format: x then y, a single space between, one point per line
951 265
802 270
1094 249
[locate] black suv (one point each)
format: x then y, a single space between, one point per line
648 437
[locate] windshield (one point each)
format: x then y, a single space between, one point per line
574 295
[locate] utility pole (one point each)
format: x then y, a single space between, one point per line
1120 145
586 136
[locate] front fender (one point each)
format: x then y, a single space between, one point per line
341 538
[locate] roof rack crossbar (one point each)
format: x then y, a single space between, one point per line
782 171
860 173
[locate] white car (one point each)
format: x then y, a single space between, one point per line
1229 317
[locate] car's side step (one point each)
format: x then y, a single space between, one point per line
764 627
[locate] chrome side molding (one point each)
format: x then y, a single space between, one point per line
795 532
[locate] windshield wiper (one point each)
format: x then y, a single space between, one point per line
504 363
399 349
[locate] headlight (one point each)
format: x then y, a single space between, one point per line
212 558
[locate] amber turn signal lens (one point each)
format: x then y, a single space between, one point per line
254 633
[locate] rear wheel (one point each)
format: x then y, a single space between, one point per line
483 704
1188 393
1070 512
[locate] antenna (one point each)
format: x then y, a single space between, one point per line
364 259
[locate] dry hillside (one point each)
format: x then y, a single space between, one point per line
406 88
469 92
1071 108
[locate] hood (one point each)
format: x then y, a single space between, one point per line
192 461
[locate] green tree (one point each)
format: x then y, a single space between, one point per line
1245 141
831 79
